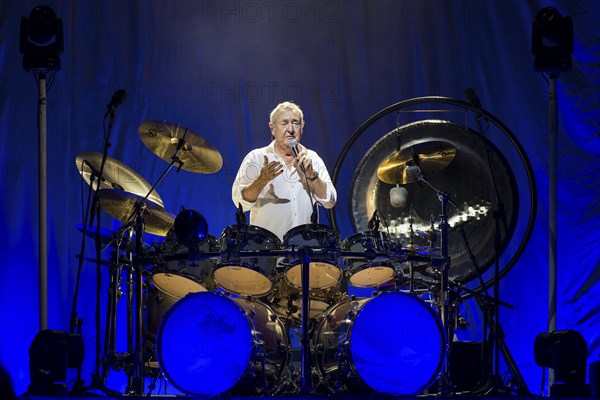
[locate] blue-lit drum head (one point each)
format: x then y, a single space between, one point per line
395 344
205 344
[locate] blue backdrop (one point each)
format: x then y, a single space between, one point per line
220 67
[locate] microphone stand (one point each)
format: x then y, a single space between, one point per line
98 379
306 253
446 387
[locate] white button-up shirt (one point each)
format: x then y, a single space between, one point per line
284 202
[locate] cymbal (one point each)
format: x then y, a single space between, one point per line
121 205
107 237
419 249
115 175
196 153
403 166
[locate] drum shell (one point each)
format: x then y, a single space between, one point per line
375 268
324 268
286 300
201 322
247 275
401 353
179 262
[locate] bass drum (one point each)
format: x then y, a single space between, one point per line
210 344
392 343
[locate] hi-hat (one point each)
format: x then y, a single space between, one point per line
195 153
403 166
115 175
121 205
108 237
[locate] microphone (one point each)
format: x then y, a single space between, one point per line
117 99
314 217
398 196
240 217
473 99
374 222
294 146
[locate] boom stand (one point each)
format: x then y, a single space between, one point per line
446 387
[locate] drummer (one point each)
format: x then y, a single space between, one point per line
278 188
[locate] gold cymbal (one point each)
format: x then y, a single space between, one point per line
115 175
121 205
403 166
196 153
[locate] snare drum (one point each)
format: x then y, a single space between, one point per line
374 268
209 344
246 275
392 344
324 271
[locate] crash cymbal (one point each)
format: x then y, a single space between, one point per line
196 153
108 236
403 166
121 205
115 175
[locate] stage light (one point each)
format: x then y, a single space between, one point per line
50 355
41 40
190 228
552 41
566 353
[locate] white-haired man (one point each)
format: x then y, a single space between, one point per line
276 185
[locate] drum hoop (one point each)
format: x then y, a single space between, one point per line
252 230
312 228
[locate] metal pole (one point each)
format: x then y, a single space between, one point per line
42 205
306 384
552 202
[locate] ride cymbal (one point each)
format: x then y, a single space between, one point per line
403 166
194 152
115 175
121 205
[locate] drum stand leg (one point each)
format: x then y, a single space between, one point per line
305 380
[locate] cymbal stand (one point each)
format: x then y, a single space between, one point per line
111 357
446 387
136 380
135 320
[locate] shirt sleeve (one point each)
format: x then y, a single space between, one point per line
247 173
331 195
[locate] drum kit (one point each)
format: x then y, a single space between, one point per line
215 315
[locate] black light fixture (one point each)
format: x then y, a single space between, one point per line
566 353
552 41
51 354
41 40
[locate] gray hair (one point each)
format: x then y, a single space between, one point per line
287 106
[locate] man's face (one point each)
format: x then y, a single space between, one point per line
287 126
